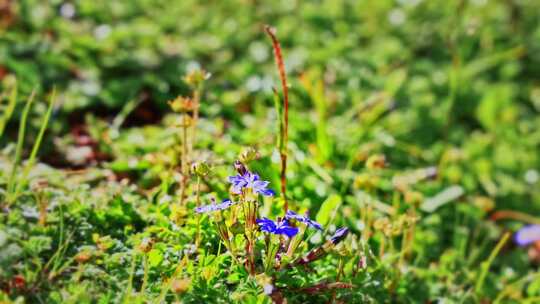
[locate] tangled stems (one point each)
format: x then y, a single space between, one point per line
224 235
294 243
272 245
250 207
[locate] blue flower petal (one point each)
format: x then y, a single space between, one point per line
282 227
249 180
315 225
266 192
215 207
303 219
527 235
289 231
258 184
252 177
237 189
266 224
340 234
202 209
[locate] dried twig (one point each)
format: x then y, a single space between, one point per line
281 69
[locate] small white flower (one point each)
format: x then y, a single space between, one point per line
268 288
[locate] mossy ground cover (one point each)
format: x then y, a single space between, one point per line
143 146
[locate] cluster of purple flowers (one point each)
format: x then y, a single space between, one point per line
249 180
239 182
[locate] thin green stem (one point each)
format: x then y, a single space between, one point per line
37 143
485 265
198 203
184 160
127 296
18 149
196 103
8 112
145 276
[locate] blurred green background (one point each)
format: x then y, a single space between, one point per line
416 79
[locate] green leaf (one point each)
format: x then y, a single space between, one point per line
37 244
328 207
233 278
155 257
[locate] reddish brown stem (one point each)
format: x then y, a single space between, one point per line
281 69
515 215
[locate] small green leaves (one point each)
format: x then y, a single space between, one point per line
328 208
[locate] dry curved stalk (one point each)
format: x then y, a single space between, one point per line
284 136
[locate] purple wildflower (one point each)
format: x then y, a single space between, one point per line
279 227
249 180
215 207
303 219
527 235
340 234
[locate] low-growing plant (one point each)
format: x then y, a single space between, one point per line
264 246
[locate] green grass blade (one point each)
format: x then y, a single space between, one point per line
487 264
6 116
18 149
37 143
124 113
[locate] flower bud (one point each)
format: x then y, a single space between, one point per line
201 169
196 77
146 245
182 104
377 161
249 154
83 256
240 167
180 285
339 235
